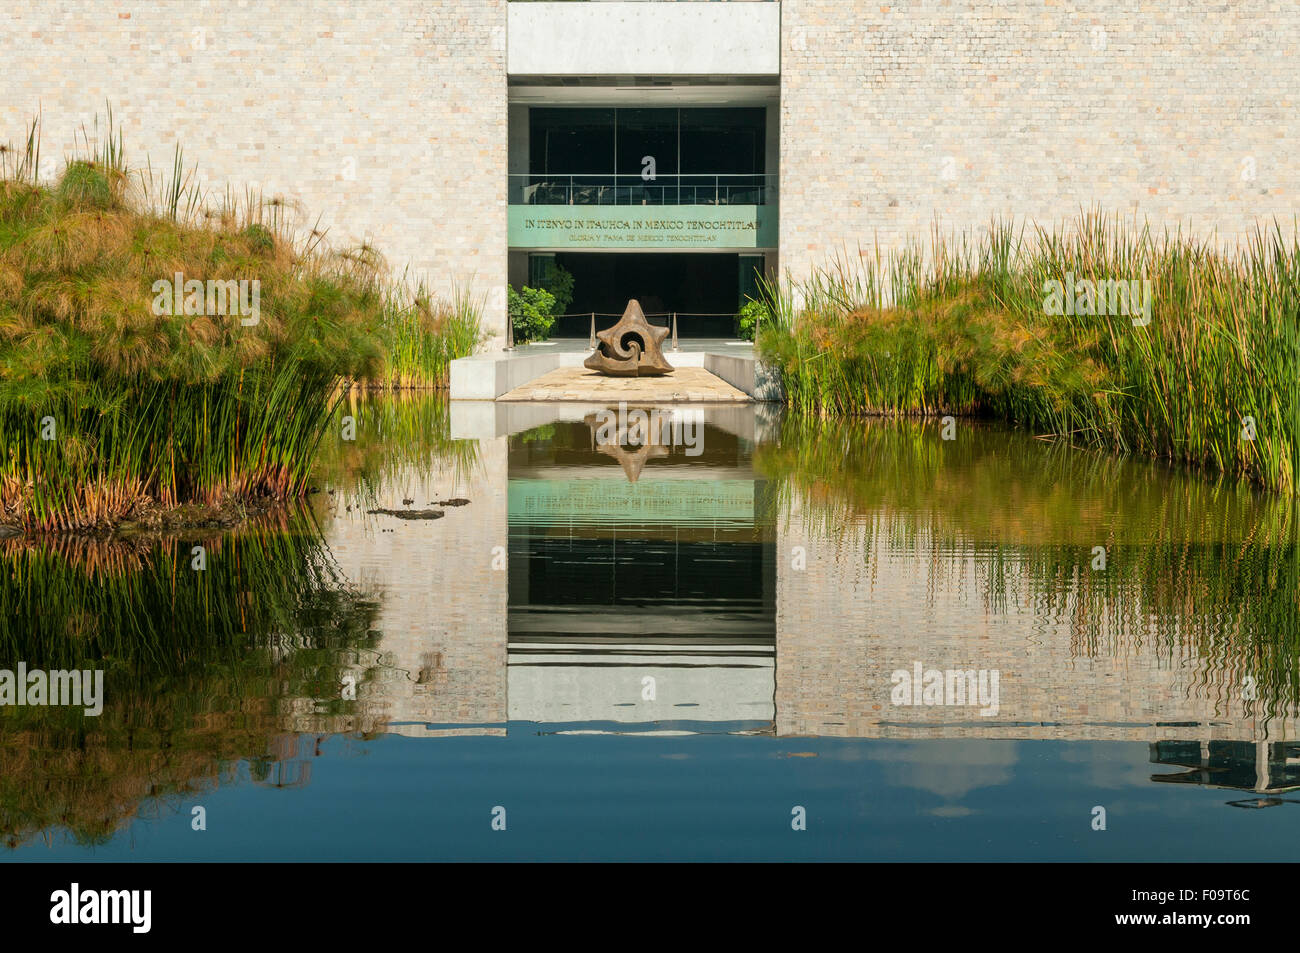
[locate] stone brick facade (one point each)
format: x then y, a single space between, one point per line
387 120
898 115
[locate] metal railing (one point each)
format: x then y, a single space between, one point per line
632 189
591 341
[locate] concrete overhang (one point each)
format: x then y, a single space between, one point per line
637 92
653 39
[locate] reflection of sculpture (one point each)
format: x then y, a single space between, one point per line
630 348
633 460
643 439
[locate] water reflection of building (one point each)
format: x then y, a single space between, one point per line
872 601
441 663
606 582
692 577
285 765
637 601
1268 768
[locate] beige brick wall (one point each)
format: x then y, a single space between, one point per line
386 119
898 113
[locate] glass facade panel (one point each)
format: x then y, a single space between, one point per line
571 141
645 133
592 156
717 141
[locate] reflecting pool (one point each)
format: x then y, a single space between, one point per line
672 633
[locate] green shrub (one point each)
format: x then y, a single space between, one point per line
259 238
531 313
87 185
748 319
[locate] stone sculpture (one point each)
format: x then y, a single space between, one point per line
630 348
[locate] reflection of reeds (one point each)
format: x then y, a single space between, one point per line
1208 570
144 608
95 557
395 433
1230 605
201 668
125 553
1007 486
962 328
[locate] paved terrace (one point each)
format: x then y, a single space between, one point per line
507 374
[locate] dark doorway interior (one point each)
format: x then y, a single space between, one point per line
703 287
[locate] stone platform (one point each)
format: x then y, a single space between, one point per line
684 385
495 374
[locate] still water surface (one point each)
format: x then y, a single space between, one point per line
674 651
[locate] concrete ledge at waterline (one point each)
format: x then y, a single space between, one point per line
487 420
685 385
745 374
488 376
475 420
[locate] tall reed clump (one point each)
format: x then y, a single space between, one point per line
965 327
108 408
424 334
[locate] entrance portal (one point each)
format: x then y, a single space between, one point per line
704 288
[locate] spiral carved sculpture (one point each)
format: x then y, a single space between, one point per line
630 348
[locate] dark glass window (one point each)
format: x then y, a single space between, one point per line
647 132
586 141
703 156
723 141
571 141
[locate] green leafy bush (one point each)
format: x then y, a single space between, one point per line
748 318
532 313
